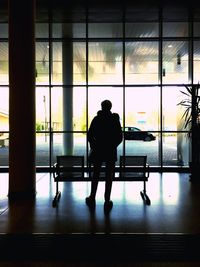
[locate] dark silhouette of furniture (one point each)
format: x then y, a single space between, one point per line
66 169
135 168
72 169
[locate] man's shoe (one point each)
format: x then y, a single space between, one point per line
90 202
108 206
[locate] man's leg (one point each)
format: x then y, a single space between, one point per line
94 183
90 201
110 171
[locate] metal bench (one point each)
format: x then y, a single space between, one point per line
72 169
67 168
135 168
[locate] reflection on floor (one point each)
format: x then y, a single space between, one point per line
175 207
165 230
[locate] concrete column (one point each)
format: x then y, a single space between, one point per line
67 57
21 99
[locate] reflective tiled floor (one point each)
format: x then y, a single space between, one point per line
174 212
175 207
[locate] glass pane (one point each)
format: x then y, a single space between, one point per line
42 30
69 63
42 63
97 94
68 11
175 149
3 63
144 12
4 148
41 12
119 153
175 12
42 109
140 147
57 63
185 108
139 29
57 108
141 62
104 13
3 30
79 109
175 29
105 63
4 109
175 62
42 149
57 146
69 30
4 126
196 29
68 144
79 63
68 108
196 61
142 108
104 30
172 112
196 14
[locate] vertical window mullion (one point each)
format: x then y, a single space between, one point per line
191 61
160 148
50 87
123 77
191 50
87 64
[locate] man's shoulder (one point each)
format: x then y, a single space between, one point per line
115 115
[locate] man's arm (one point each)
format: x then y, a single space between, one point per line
118 134
91 134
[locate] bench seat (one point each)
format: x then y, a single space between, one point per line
72 169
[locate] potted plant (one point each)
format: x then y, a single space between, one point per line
191 118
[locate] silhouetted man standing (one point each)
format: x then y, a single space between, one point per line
104 135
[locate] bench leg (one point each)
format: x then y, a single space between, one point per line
144 196
57 196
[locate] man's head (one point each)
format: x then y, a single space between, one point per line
106 105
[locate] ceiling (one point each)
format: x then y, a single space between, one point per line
116 11
110 10
108 13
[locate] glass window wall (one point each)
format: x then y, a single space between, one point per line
105 63
175 62
140 64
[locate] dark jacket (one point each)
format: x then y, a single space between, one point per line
104 135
